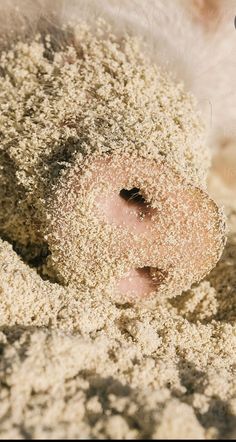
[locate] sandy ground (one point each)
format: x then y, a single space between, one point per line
77 366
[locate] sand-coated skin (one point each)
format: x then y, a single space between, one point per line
162 243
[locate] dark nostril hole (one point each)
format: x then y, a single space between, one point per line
142 281
132 195
157 276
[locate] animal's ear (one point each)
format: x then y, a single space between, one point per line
209 13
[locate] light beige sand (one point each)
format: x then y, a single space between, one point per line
76 365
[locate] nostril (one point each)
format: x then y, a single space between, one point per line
132 195
126 208
141 282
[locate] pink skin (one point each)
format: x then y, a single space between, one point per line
127 211
137 283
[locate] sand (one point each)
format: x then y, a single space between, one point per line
75 364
